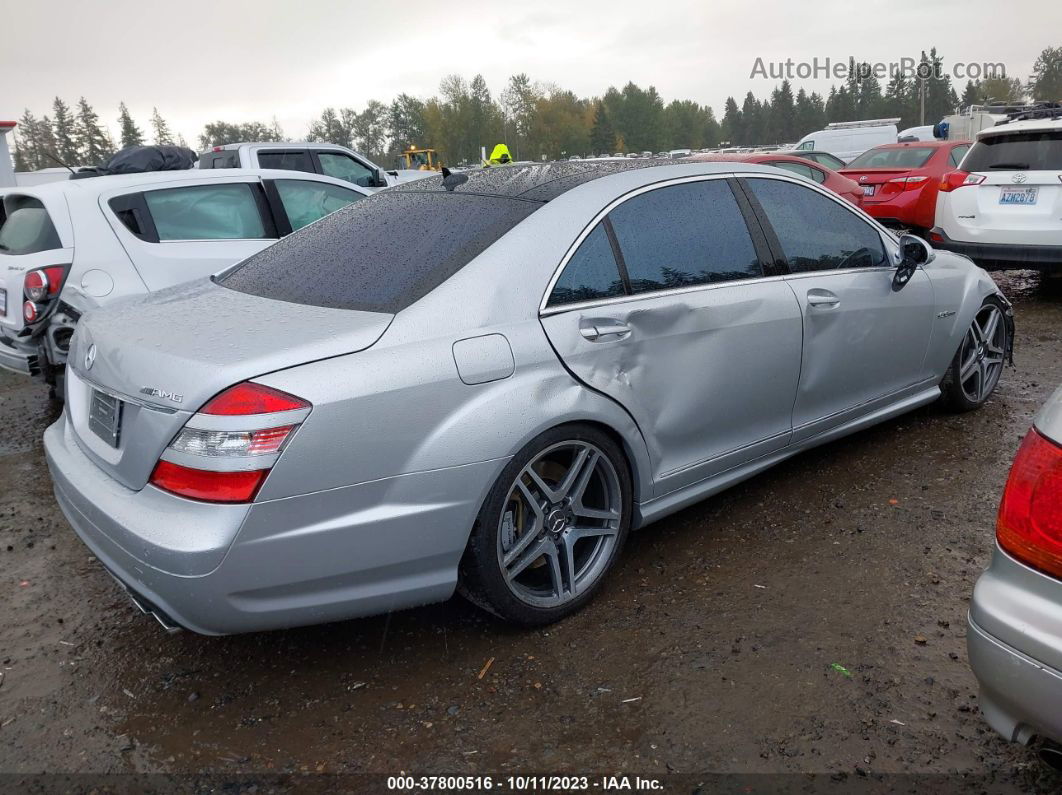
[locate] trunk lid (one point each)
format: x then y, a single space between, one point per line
1021 207
164 355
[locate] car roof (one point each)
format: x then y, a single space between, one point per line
546 181
1027 125
278 145
919 144
110 182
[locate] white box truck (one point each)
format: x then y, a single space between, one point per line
849 139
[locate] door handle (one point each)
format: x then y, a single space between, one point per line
822 298
595 330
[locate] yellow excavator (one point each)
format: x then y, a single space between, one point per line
420 159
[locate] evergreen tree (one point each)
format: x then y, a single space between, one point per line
21 156
160 129
45 144
602 135
63 128
405 124
810 114
752 121
782 124
1045 84
733 127
94 143
518 102
130 133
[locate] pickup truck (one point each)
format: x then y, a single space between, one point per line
331 160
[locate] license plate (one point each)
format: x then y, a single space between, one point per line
1018 196
3 301
868 190
105 417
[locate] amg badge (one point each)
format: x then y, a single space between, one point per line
160 393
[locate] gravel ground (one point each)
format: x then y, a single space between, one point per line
711 649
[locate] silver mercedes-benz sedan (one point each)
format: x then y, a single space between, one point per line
484 380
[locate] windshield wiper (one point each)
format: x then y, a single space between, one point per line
1019 166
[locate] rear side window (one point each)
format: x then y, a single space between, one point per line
1030 151
341 166
793 168
225 159
26 227
817 233
306 201
682 235
591 273
905 157
956 155
206 212
287 160
380 254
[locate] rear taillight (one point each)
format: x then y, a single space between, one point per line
1029 526
954 180
907 183
40 286
225 452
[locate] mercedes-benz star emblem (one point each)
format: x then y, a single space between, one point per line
90 356
1019 177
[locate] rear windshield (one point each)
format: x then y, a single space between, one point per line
25 227
1032 151
908 157
380 254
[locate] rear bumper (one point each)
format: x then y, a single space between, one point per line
903 210
19 357
1036 257
1014 639
354 551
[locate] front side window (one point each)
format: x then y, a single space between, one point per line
816 233
287 160
900 157
26 228
206 212
1028 151
591 273
305 201
807 146
687 234
341 166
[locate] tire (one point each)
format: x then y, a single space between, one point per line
975 369
566 496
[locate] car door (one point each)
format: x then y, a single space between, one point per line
300 202
175 233
864 343
664 306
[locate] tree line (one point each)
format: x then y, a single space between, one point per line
544 120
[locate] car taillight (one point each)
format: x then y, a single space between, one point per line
224 452
40 286
954 180
907 183
1029 526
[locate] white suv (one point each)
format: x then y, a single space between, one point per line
67 247
1003 207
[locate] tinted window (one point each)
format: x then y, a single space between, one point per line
306 202
27 228
382 253
1034 151
956 155
289 160
905 157
341 166
827 160
682 235
591 273
206 212
794 168
815 232
227 159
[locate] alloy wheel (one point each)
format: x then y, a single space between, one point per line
559 524
982 353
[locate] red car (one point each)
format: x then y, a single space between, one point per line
900 181
842 186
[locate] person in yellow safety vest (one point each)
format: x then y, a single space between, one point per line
499 157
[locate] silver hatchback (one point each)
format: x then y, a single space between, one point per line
485 380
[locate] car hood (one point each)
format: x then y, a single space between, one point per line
195 339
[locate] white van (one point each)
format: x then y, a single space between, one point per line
849 139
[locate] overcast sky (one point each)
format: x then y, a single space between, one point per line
242 61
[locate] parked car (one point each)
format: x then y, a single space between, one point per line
315 158
1003 205
900 181
822 158
344 442
841 185
1014 633
71 246
849 139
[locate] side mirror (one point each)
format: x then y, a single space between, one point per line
914 251
380 180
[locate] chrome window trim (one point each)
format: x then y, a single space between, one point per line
889 241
